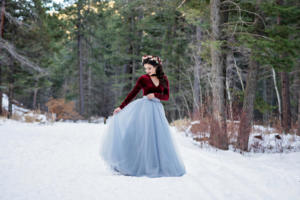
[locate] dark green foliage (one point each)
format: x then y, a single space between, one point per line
116 37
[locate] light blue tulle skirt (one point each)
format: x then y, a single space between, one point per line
138 141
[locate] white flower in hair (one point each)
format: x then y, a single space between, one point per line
146 56
154 58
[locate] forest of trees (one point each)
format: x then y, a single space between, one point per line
225 59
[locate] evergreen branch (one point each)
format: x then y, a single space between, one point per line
10 48
242 10
14 20
181 3
257 35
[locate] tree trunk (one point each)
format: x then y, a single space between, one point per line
88 107
249 95
89 91
297 88
277 93
238 71
79 57
10 100
248 107
218 132
133 63
1 36
35 91
10 91
197 67
265 98
285 86
86 75
298 128
229 77
128 69
286 108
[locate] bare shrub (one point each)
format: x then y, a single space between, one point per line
201 127
181 124
63 110
16 116
275 123
232 130
30 118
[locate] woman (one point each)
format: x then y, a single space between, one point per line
138 140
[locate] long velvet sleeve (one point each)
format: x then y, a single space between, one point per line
132 93
165 95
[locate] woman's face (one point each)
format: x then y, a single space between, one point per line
149 69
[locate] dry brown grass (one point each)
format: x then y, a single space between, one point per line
32 116
16 116
63 110
201 127
30 119
181 124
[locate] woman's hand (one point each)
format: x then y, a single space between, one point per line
118 109
150 95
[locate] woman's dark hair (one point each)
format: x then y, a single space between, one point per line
159 70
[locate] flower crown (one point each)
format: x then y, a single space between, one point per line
153 58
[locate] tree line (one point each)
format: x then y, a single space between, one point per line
225 59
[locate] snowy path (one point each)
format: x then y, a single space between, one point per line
61 162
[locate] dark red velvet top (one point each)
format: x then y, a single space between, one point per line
145 82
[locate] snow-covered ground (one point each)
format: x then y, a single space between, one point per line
262 139
61 161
